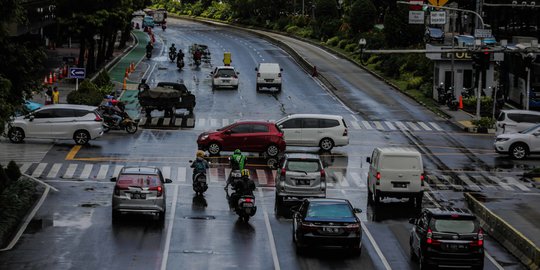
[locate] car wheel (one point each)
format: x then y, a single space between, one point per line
106 128
272 150
422 263
412 255
519 151
369 196
115 216
418 200
161 218
298 245
257 88
278 206
326 144
131 128
214 149
148 113
16 135
376 198
81 137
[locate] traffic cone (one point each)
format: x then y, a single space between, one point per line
132 67
60 75
45 81
124 85
65 71
50 78
127 73
54 78
460 102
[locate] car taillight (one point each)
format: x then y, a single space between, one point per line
248 200
422 179
378 177
429 239
480 241
308 226
117 190
345 132
283 172
353 227
323 175
98 118
159 190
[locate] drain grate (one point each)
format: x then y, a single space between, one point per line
204 217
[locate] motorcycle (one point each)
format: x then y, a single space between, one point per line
441 94
200 184
180 63
172 55
467 93
451 100
148 54
197 62
241 201
126 124
163 27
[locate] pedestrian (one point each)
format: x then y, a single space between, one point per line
49 94
55 95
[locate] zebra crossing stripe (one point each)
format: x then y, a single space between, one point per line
467 181
181 175
102 173
261 176
424 126
190 122
39 170
227 172
378 125
117 169
202 122
166 171
390 125
54 170
70 171
154 121
143 121
24 167
213 122
367 125
341 179
225 122
480 179
274 173
413 126
451 182
516 183
401 126
166 121
355 125
433 124
436 182
499 182
86 171
213 175
358 180
178 122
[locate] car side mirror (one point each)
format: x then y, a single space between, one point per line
412 220
191 161
113 179
228 132
168 181
31 117
281 69
368 160
357 210
280 126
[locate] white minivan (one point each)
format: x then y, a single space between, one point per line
513 121
395 172
322 130
269 76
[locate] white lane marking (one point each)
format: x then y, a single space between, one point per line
202 122
435 180
181 176
437 127
143 121
166 170
117 170
70 171
467 181
401 126
274 173
261 176
358 180
367 125
154 121
213 175
378 125
481 180
54 170
24 167
270 234
451 182
324 51
376 247
500 182
355 125
165 256
413 126
85 174
103 169
166 121
178 122
390 125
224 122
213 122
513 181
341 179
424 126
39 169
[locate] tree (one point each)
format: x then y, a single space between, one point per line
397 30
362 16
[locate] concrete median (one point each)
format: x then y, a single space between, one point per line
513 240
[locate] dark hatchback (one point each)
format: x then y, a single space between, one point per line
448 237
327 223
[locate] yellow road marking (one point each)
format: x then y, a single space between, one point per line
73 152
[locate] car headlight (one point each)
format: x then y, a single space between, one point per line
204 137
502 139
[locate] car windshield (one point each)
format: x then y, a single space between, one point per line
138 180
454 226
435 31
329 210
225 127
530 130
226 73
299 165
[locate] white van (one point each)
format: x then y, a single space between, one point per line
269 76
514 121
395 172
322 130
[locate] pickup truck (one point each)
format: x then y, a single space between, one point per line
167 97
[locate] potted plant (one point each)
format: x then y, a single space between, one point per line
483 124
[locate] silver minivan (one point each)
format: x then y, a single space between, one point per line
299 176
513 121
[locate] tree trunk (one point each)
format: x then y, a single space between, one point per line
125 36
91 65
101 50
110 46
82 50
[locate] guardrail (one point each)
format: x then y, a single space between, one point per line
526 251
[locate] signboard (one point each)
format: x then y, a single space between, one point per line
416 4
482 33
438 3
416 17
438 17
76 73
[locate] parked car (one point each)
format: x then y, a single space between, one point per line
447 236
464 40
512 121
519 145
395 172
139 190
327 223
322 130
248 136
59 121
224 77
299 176
269 76
148 21
434 34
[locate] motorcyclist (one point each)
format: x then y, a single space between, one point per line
237 161
197 55
149 47
245 186
172 49
115 112
179 56
143 86
200 165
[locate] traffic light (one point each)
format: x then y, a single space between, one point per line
528 60
485 57
477 60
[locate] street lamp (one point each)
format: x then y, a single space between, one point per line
362 44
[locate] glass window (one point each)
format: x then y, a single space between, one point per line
292 123
303 165
454 225
226 73
44 114
241 129
329 210
260 128
516 117
139 180
328 123
64 113
501 116
310 123
467 78
531 118
80 113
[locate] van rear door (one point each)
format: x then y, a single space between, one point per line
401 173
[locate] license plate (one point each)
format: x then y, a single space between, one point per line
302 182
248 205
268 80
330 230
225 81
456 246
400 185
138 196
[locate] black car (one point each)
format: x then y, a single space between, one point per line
447 237
434 34
327 222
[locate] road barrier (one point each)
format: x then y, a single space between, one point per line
519 245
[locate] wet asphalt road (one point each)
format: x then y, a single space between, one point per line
76 232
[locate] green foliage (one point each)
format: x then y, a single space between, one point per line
486 105
88 94
426 89
351 47
4 179
333 41
103 79
15 201
484 122
362 16
13 171
397 30
413 82
343 43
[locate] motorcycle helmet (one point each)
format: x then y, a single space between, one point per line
114 102
245 172
237 152
172 45
200 154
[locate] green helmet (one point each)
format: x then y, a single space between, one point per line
237 152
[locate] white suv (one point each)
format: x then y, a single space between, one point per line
519 145
224 77
512 121
322 130
59 121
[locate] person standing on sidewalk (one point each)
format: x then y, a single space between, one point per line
55 95
48 93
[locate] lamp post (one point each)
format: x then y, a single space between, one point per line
362 44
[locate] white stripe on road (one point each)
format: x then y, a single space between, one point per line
165 256
413 126
181 176
499 182
424 126
376 247
467 181
178 122
154 121
54 170
117 170
261 176
24 167
224 122
378 125
103 169
516 183
270 234
201 122
355 125
401 126
433 124
213 122
213 175
367 125
70 171
341 179
390 125
166 171
358 180
86 171
166 121
39 170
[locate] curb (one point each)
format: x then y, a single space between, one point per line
515 242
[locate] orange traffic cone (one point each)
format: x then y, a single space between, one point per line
45 81
50 78
54 78
65 71
460 102
127 73
124 85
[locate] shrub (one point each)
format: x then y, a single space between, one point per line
351 47
88 94
333 41
103 79
484 122
14 204
414 82
486 105
342 43
13 171
4 179
292 29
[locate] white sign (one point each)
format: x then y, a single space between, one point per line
482 33
416 17
438 17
